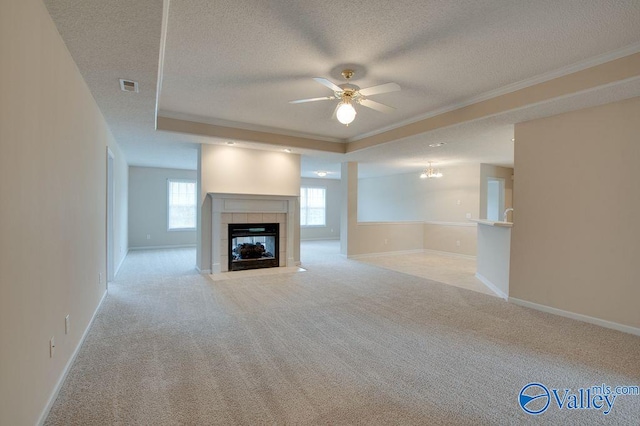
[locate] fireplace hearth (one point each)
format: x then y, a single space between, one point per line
253 246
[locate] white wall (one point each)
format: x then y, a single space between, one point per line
442 203
234 170
53 156
575 243
332 229
506 173
120 206
148 208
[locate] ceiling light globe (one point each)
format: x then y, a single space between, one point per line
346 113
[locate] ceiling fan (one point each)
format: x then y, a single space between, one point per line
348 94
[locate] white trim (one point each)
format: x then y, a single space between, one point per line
491 286
580 66
416 222
120 264
462 224
67 367
579 317
384 253
321 239
203 271
451 254
163 247
163 45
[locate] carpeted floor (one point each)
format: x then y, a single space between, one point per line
342 343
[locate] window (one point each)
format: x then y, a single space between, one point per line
181 200
312 206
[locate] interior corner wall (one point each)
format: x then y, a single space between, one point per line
442 204
487 171
148 208
331 231
574 244
53 158
121 206
234 170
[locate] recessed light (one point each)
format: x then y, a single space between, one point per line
231 143
321 173
435 145
288 150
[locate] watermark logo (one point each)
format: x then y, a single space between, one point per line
535 398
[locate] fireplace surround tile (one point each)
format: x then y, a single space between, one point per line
246 208
240 218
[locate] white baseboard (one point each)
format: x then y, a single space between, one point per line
67 367
320 239
450 253
491 286
115 273
580 317
384 253
162 247
203 271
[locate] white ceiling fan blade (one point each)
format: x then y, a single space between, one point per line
328 84
376 105
381 88
301 101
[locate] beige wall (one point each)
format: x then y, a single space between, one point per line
234 170
53 214
148 208
575 243
506 173
456 238
332 229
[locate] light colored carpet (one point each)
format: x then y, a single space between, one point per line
343 343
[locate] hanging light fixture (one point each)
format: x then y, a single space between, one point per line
430 173
346 113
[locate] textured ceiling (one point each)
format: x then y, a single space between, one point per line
239 63
243 61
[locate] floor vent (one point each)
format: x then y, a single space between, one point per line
128 85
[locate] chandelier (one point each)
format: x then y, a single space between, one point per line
430 172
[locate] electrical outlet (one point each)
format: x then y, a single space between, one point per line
67 324
148 236
458 243
52 347
468 215
459 202
386 241
99 277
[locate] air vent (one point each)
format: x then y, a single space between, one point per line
128 85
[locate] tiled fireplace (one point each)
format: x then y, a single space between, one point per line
256 211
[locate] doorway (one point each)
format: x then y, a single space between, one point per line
495 198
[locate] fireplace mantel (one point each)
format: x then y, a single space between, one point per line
250 204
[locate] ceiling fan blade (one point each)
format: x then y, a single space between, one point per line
381 88
376 105
301 101
328 84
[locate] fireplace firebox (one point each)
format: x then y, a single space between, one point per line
253 245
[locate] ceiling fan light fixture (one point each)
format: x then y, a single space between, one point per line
346 113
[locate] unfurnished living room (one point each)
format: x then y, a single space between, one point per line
276 212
